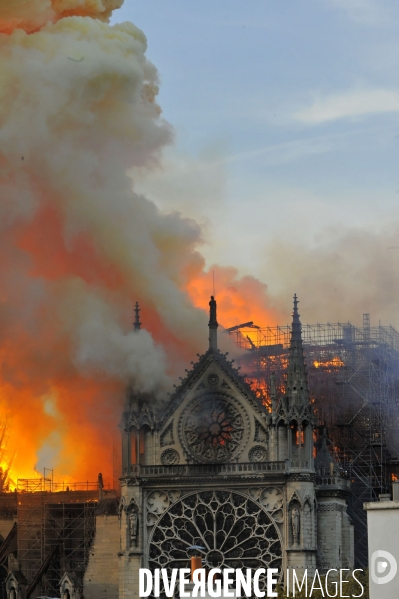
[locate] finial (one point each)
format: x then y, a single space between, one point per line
137 323
213 324
296 302
296 384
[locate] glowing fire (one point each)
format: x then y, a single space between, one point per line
329 364
240 299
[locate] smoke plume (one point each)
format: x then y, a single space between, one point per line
78 246
344 274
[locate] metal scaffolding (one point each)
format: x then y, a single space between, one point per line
55 533
353 375
71 526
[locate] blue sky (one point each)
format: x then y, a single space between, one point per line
286 118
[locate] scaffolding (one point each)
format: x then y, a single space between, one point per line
353 375
55 533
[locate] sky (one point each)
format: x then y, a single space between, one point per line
285 119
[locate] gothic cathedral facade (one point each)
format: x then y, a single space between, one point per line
217 469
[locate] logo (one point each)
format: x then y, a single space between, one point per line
383 567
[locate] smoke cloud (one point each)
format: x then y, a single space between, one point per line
78 246
30 15
342 275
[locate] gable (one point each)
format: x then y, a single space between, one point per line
213 417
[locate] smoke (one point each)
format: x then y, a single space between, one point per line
31 15
342 275
78 246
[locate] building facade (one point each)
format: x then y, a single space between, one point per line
217 469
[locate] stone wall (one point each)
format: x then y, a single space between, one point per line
330 528
101 577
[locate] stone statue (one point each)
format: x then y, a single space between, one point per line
295 525
133 527
212 310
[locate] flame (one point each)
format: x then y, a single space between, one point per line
300 438
240 299
329 364
394 477
261 390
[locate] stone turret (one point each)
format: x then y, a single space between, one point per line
292 414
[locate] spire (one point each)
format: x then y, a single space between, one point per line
297 385
296 332
137 323
213 324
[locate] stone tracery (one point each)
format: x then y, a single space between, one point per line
213 429
235 531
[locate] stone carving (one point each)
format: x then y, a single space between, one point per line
278 516
255 493
133 527
258 454
170 457
167 436
213 379
213 429
245 535
151 519
132 513
212 311
224 385
271 499
157 502
174 495
295 521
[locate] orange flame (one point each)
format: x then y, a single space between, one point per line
329 364
240 299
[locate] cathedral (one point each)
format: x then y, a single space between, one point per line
218 469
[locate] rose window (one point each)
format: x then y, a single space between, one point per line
235 531
213 429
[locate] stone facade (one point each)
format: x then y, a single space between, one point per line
217 469
101 580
